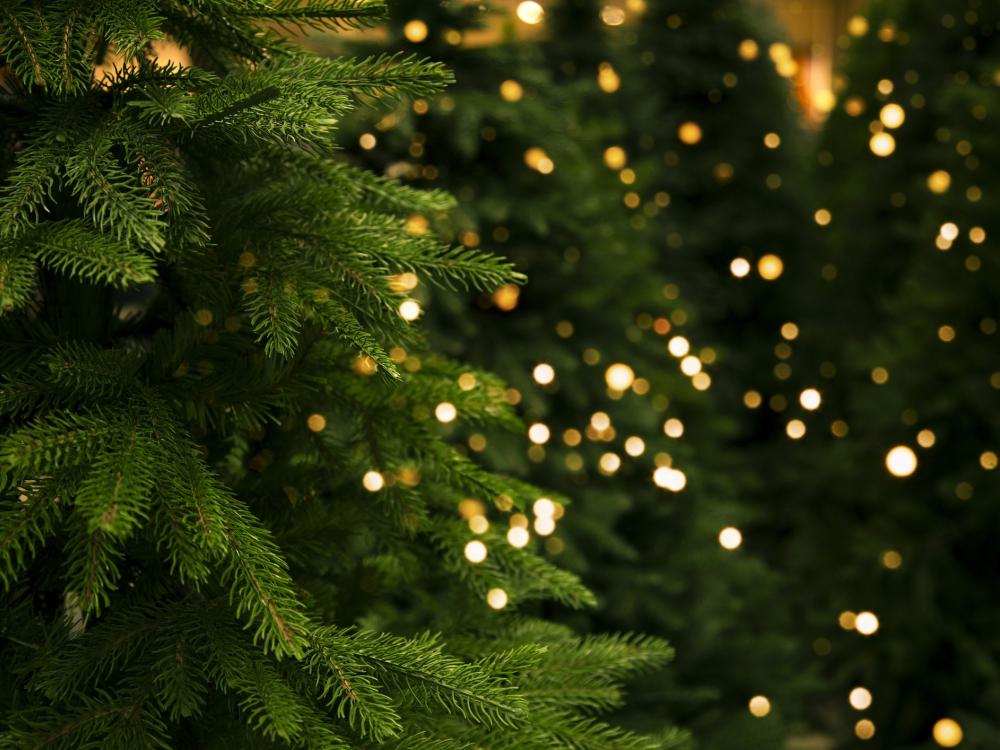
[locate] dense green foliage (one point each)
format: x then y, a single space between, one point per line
229 519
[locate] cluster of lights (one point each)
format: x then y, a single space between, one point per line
537 159
669 478
901 461
866 623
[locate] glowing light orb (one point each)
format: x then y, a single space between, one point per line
892 115
445 412
518 536
901 461
730 538
678 346
475 551
810 399
689 133
415 31
496 598
530 12
511 91
770 267
615 157
866 623
409 310
947 732
543 373
882 144
860 698
619 377
670 479
760 706
373 481
539 433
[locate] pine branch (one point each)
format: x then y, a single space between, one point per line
93 568
17 277
128 25
56 440
385 77
28 187
76 249
425 676
253 569
112 199
348 328
26 523
114 497
120 722
321 14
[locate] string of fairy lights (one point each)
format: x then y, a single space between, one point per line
901 461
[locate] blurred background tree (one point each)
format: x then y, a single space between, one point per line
638 167
886 498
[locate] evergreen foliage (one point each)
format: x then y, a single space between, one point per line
222 494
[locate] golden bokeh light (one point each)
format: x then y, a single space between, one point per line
615 157
506 297
864 729
635 446
730 538
619 377
669 478
760 706
882 144
749 49
543 373
795 429
475 551
608 79
518 536
316 422
860 698
409 310
739 267
689 133
892 115
770 267
901 461
947 732
373 481
939 182
678 346
445 412
673 428
866 623
496 598
810 399
539 433
511 91
530 12
415 31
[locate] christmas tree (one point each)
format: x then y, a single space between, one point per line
230 518
575 121
885 496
